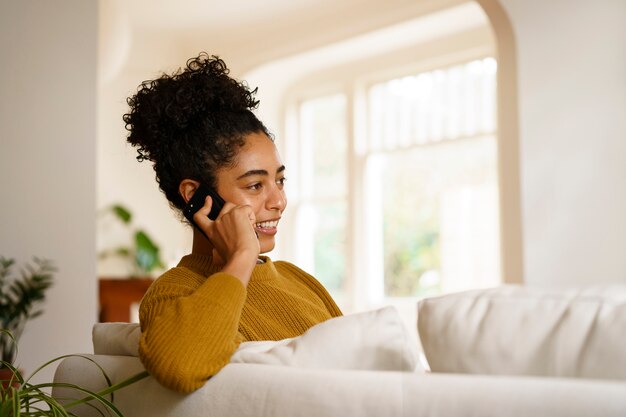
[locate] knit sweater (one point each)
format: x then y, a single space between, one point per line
194 317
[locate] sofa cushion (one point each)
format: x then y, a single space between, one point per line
374 340
518 330
120 339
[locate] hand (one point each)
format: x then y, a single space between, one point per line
232 236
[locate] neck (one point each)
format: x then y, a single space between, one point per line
202 246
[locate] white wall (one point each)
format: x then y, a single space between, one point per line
47 160
572 103
121 179
128 57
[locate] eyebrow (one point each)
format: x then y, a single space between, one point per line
260 172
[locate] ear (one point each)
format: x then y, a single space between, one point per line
187 188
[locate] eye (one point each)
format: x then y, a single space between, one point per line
281 182
255 186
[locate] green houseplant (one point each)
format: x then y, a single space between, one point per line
142 252
19 397
20 299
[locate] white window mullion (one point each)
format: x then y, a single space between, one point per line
358 142
374 233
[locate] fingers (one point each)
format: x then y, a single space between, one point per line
234 223
201 217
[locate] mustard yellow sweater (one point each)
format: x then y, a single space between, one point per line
194 317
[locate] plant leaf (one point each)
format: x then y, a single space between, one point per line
34 399
122 213
19 299
147 253
122 251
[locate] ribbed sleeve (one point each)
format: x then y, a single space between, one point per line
194 317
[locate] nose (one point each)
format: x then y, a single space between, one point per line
276 200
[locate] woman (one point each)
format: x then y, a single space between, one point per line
197 127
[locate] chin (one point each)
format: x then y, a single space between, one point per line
267 246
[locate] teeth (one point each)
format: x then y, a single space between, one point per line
267 225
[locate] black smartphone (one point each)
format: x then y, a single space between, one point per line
197 201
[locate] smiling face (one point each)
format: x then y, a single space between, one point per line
257 179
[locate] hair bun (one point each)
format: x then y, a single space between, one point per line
208 89
202 92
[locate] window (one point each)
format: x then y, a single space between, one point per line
432 153
409 207
322 210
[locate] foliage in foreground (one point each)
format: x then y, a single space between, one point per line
20 299
19 397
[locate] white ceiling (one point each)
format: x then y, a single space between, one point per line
251 32
217 16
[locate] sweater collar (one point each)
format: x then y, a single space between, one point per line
203 265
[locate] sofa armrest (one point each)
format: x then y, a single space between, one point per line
252 390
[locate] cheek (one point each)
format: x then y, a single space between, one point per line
240 198
256 203
257 209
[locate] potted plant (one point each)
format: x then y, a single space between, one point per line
20 299
142 253
21 398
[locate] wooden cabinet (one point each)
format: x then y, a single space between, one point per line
116 296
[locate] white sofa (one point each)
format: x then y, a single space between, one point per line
510 351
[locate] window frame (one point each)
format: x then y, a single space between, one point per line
359 286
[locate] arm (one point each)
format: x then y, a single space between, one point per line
190 322
190 327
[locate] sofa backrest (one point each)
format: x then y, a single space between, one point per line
515 330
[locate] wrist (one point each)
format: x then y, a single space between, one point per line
241 265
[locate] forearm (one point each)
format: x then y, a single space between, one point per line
186 340
241 265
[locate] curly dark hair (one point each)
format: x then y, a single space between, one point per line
191 123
